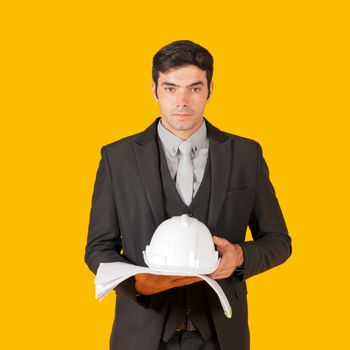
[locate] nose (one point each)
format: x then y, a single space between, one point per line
182 98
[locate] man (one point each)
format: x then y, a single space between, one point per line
183 164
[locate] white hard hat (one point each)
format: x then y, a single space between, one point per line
184 245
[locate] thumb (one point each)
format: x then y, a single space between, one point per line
219 241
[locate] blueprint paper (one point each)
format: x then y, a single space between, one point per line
110 275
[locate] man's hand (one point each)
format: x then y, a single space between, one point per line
231 258
147 283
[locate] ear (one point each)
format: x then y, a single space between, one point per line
211 90
154 91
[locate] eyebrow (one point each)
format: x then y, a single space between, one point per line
167 83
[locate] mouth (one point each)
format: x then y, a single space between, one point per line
182 115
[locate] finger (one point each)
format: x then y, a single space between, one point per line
221 274
223 268
220 250
215 273
220 239
217 270
220 242
218 277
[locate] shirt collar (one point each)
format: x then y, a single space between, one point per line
172 142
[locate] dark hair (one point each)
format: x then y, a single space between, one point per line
180 53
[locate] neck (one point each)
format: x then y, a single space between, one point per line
183 134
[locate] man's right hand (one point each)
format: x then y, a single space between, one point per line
147 283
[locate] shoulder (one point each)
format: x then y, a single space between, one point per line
126 144
122 145
241 139
240 143
244 145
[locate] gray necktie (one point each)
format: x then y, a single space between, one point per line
184 176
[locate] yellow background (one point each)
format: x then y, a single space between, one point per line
76 75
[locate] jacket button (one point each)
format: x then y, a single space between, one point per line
189 213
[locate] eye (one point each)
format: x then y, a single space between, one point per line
196 89
170 89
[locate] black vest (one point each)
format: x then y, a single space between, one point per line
189 299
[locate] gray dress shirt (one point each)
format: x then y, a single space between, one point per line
200 148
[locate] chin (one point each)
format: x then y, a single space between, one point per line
183 126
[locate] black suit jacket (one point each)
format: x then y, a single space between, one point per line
127 208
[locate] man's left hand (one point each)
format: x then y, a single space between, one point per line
231 258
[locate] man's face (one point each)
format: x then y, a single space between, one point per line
182 96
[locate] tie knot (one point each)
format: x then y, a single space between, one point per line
185 148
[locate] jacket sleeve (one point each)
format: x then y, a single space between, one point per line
104 241
271 243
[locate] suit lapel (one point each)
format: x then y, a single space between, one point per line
220 153
146 151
